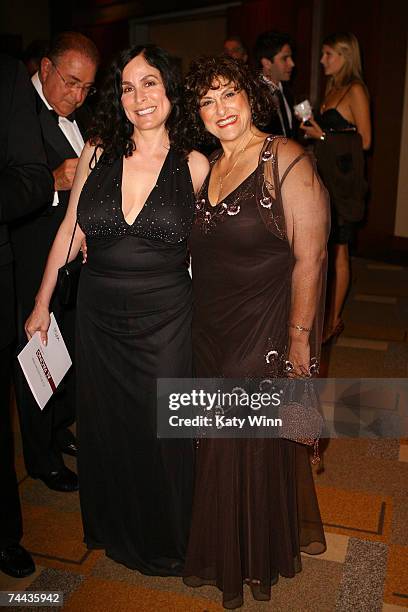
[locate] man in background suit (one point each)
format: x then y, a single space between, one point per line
65 79
25 183
273 54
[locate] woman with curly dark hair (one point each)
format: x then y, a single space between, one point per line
133 199
258 248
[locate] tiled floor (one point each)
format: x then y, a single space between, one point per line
363 494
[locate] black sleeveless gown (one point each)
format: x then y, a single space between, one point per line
133 326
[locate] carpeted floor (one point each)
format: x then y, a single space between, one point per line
363 495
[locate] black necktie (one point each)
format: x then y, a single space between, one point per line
283 113
56 116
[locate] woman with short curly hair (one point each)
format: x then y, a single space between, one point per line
205 74
258 248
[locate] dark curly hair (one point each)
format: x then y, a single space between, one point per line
111 129
209 73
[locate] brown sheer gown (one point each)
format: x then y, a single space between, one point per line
255 506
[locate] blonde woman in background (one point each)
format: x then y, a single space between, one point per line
342 132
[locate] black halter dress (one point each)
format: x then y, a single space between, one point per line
134 318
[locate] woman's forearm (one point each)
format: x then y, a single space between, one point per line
306 295
57 258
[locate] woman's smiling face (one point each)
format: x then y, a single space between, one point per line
144 97
225 111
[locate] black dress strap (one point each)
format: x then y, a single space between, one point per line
95 156
344 95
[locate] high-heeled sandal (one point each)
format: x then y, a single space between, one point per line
334 332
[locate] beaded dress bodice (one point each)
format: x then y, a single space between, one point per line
166 215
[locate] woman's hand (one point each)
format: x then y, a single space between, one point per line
299 357
39 320
313 130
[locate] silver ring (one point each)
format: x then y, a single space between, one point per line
289 367
314 366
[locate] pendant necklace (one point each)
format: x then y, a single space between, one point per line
227 174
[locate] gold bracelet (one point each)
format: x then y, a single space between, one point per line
300 327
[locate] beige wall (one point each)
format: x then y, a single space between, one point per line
188 39
401 217
36 22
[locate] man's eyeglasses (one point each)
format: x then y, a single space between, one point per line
88 90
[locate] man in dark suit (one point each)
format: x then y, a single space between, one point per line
273 54
65 79
25 183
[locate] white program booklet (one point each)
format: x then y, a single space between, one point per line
45 366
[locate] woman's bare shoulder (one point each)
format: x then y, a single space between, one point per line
199 168
288 151
197 159
90 155
358 91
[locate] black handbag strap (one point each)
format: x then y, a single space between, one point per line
72 240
